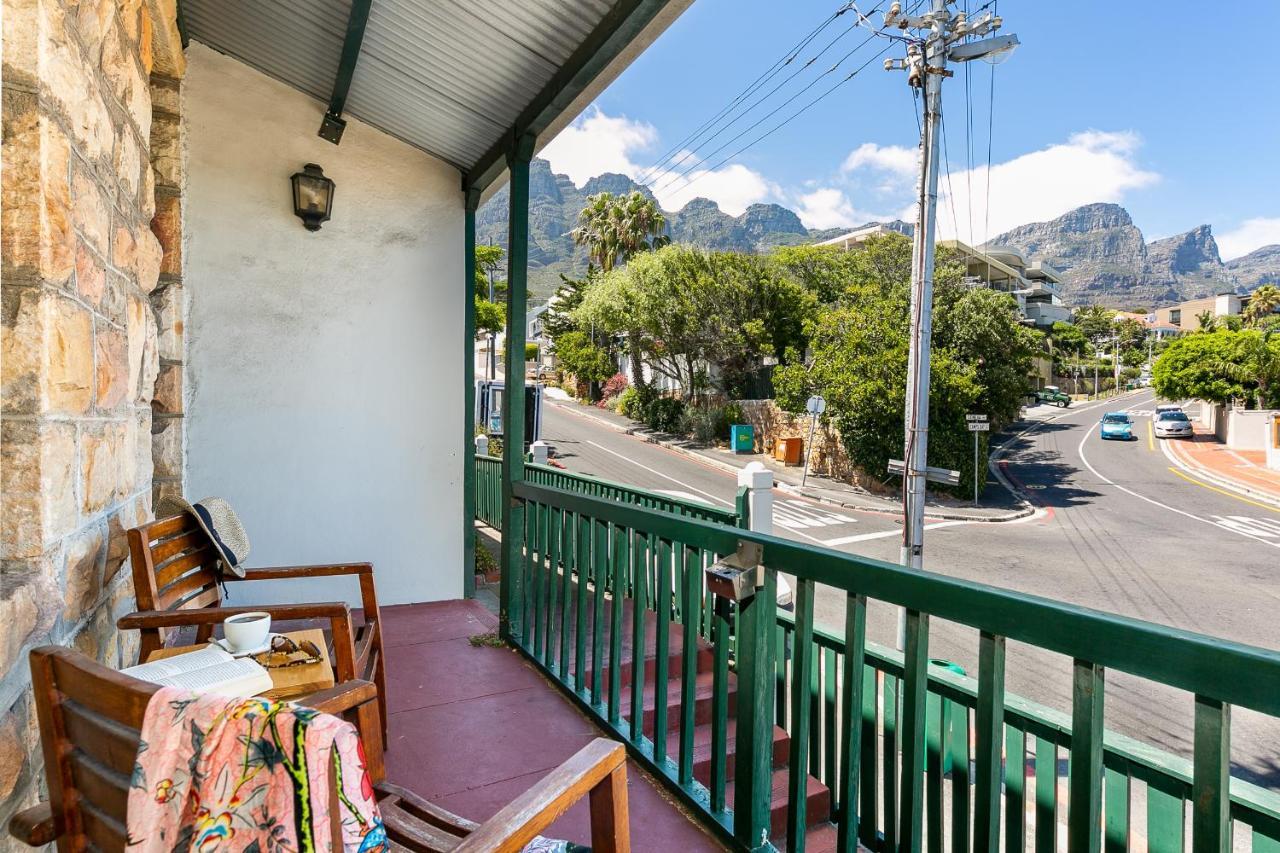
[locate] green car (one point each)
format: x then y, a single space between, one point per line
1050 394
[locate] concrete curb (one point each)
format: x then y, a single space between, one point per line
790 488
1192 468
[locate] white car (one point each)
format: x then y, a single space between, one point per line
1167 407
1172 424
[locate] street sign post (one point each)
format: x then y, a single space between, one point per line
816 405
977 424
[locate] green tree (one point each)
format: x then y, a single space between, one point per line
685 309
582 357
1068 338
490 316
1264 302
859 348
824 271
1207 321
1095 322
1202 366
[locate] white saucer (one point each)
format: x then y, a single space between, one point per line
222 644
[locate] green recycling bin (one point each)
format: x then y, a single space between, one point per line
742 437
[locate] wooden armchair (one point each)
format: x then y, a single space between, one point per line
175 571
90 726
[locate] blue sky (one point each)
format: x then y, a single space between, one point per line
1169 109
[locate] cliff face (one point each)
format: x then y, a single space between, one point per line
1103 255
1105 258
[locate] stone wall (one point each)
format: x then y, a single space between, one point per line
81 355
828 458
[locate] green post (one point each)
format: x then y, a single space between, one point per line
471 197
511 604
753 769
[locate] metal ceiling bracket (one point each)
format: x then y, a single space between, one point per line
332 126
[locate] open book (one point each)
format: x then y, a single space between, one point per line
210 670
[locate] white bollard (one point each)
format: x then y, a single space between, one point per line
482 445
759 482
540 451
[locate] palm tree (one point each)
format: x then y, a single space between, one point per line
1264 302
613 228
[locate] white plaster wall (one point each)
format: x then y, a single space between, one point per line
324 369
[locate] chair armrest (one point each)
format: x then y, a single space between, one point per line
287 572
216 615
35 826
598 769
341 697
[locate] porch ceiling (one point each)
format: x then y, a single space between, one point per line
460 79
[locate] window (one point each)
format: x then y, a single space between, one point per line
1175 316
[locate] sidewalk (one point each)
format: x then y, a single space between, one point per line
997 503
1243 471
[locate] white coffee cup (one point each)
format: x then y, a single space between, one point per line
247 631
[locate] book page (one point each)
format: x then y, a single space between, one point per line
178 664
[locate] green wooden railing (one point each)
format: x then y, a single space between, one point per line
489 491
575 632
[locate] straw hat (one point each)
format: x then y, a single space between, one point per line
220 522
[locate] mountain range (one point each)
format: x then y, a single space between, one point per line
1103 256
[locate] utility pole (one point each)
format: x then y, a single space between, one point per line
938 37
493 337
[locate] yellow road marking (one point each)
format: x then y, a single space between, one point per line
1151 437
1267 507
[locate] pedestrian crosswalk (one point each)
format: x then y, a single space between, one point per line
793 515
1267 528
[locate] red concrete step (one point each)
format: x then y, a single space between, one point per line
702 702
702 749
817 803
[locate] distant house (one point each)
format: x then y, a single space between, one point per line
1186 315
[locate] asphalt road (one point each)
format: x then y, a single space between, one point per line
1118 530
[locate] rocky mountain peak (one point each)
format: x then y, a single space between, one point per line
1185 253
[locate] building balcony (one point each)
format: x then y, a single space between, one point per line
1046 313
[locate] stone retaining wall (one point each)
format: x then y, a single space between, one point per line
81 349
828 458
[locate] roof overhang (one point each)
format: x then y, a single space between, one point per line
463 80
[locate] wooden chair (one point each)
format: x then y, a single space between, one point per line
175 569
90 725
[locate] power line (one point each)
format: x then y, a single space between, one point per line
785 121
785 60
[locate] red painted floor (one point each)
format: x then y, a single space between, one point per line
472 727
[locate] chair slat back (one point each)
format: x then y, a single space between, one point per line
175 567
90 721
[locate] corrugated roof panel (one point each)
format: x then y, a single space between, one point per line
448 76
299 43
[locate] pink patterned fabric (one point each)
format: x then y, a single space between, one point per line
247 776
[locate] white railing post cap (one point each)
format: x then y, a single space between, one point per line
754 475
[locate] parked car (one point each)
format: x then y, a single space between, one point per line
1172 424
1050 394
1117 425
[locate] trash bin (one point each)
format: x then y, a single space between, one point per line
742 438
789 451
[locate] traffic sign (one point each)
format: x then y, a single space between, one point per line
979 426
972 418
816 405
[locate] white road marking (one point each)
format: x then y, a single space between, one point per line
884 534
792 514
1128 491
1268 528
659 473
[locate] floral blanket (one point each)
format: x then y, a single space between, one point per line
250 775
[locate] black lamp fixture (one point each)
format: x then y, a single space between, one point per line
312 196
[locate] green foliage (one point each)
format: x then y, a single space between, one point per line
1207 321
613 228
824 271
1068 338
579 355
626 404
683 307
489 262
664 414
710 423
1264 302
981 358
530 352
1200 366
485 561
1095 322
489 316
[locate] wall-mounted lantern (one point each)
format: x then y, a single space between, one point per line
312 196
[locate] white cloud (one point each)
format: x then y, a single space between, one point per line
596 143
1092 166
900 161
830 207
1249 235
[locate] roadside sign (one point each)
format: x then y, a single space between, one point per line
816 405
979 426
936 475
972 418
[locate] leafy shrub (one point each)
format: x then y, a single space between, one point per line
485 561
700 422
729 415
664 414
615 386
626 404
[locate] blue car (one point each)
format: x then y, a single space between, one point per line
1117 425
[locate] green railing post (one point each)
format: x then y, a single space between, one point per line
471 200
510 597
753 768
